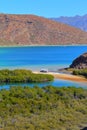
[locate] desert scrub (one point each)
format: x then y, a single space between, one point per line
43 108
23 76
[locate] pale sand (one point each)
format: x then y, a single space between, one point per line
37 45
65 76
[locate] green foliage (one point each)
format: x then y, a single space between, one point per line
25 76
47 108
82 72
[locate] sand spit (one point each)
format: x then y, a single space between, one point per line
65 76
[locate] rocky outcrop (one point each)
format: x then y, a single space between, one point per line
80 62
35 30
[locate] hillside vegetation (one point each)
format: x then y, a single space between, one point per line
35 30
82 72
47 108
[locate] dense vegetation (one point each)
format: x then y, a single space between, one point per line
47 108
82 72
25 76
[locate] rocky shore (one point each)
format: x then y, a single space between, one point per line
80 62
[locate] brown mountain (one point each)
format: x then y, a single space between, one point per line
80 62
34 30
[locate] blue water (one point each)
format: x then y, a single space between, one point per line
39 57
35 58
56 83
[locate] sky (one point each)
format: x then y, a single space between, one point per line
45 8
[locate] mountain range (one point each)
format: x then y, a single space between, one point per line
35 30
76 21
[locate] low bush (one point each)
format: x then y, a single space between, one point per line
20 75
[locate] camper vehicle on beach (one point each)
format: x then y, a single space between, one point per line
44 70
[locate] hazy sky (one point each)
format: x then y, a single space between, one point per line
46 8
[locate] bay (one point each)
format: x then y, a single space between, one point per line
38 57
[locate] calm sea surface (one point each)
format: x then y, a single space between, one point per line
35 58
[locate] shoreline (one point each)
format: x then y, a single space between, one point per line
65 45
70 77
65 76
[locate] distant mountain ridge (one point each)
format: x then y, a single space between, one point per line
76 21
35 30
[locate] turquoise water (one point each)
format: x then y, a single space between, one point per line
35 58
56 83
39 57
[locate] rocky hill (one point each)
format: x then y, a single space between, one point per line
76 21
80 62
34 30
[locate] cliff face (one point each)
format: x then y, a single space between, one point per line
80 62
31 30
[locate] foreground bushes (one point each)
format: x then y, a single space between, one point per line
47 108
19 75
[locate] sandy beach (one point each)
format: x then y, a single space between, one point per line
37 45
66 76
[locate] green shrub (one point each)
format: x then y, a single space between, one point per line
82 72
47 108
25 76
